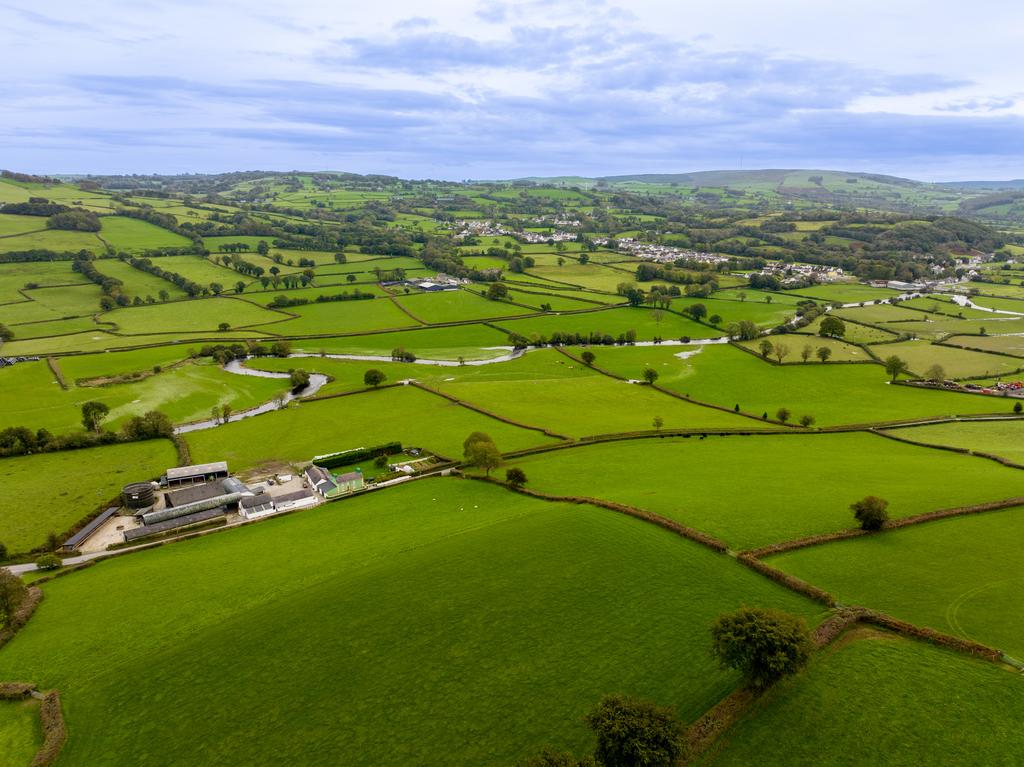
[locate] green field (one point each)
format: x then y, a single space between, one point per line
1002 438
67 486
52 239
68 301
961 575
137 282
133 235
406 415
196 315
796 343
750 491
1006 344
474 342
20 731
344 317
647 323
845 293
461 648
184 393
882 700
12 224
957 363
832 394
456 305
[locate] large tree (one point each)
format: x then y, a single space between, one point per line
895 366
636 733
832 327
93 414
763 645
871 512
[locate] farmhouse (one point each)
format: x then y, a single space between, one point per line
350 482
320 480
300 499
256 506
203 472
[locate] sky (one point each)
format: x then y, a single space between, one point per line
475 89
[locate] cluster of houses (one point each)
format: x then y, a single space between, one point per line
791 274
8 361
484 228
664 254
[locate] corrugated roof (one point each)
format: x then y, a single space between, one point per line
194 493
198 469
89 529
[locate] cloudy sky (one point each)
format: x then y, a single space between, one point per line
455 89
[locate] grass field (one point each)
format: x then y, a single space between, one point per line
196 315
962 575
137 282
646 322
100 340
883 700
185 394
52 239
470 341
1006 344
452 597
754 490
957 363
796 343
20 732
845 293
456 305
856 333
405 414
14 277
134 236
11 223
200 270
344 317
65 487
68 301
833 394
1002 438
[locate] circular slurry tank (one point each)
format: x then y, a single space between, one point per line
138 495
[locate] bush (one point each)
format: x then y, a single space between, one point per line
49 562
551 758
634 733
515 476
374 377
763 645
871 512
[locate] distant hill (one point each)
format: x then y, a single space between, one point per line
1017 183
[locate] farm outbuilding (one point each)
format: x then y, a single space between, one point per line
202 472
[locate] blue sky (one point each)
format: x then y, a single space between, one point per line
490 89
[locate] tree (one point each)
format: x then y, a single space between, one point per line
497 291
374 377
871 512
476 436
483 454
807 420
743 296
658 422
223 326
216 288
823 353
588 357
781 351
164 295
298 378
832 327
747 330
584 258
636 733
93 414
515 476
782 414
766 348
239 287
49 562
715 319
1017 408
894 366
763 645
262 248
806 352
12 592
340 258
697 311
550 758
6 334
936 373
152 425
650 375
351 278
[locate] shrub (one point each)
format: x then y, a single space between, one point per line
49 562
634 733
515 477
763 645
1017 407
871 512
374 377
588 358
551 758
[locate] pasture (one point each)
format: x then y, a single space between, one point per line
404 414
20 732
1005 344
961 575
343 317
52 239
750 491
473 342
134 236
50 492
880 699
1002 438
456 306
957 363
137 282
833 394
452 597
648 323
195 315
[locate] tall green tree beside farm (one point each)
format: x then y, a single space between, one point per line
93 414
832 327
636 733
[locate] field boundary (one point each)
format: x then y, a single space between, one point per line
33 596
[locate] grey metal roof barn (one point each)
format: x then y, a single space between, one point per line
200 471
